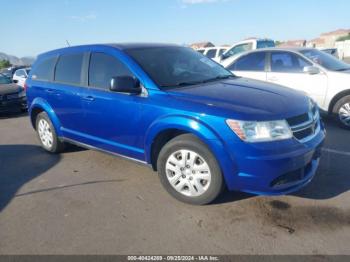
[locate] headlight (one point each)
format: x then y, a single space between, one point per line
260 131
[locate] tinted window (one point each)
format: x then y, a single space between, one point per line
201 51
103 67
211 53
265 43
251 62
239 49
176 66
68 69
221 51
287 62
44 69
325 60
20 73
5 80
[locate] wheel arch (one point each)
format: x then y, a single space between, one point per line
336 98
165 129
40 105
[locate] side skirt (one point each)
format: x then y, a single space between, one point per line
74 142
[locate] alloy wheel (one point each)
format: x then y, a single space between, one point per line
344 114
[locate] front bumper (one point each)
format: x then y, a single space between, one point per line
13 104
274 168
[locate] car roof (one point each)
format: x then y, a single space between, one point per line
120 46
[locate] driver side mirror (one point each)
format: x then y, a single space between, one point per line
312 70
125 84
222 57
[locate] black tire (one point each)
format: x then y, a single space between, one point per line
341 102
190 142
57 146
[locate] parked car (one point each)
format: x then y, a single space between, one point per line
12 96
212 52
20 76
243 46
323 77
187 117
331 51
9 72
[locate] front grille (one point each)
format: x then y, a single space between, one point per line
305 126
297 120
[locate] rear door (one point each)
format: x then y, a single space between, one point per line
66 92
251 66
287 69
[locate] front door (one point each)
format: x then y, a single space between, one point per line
287 69
111 119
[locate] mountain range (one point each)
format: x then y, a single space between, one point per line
14 60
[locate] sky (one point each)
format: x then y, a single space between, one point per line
37 26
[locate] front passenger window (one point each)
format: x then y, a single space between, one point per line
287 62
103 67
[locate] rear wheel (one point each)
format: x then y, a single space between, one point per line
342 111
189 171
47 134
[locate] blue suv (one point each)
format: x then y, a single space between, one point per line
201 127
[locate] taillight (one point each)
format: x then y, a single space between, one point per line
25 86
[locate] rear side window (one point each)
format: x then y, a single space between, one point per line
44 69
69 69
103 67
251 62
211 53
20 73
287 62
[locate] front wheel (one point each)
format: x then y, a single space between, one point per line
189 171
342 111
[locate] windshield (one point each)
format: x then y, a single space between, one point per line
326 60
5 80
265 44
171 67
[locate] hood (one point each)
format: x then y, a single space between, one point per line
245 99
9 89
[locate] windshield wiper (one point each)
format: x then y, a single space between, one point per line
189 83
218 78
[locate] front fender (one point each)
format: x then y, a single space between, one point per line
199 129
42 104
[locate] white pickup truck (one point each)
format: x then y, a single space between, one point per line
243 46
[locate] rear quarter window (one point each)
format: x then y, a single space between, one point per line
44 69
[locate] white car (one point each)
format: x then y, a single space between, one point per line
318 74
20 76
243 46
212 52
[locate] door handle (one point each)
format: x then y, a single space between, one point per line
89 98
49 90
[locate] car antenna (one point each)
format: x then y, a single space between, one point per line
68 44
